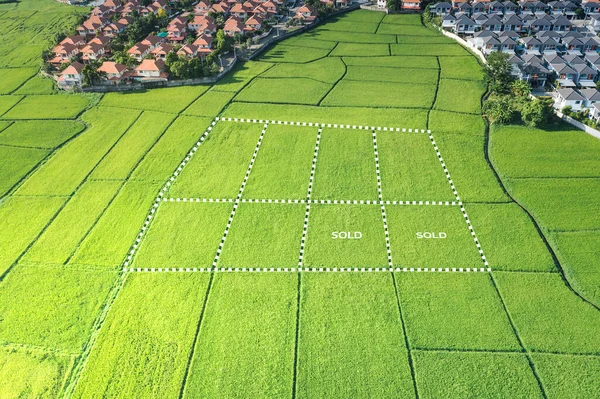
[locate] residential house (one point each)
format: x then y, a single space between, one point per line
464 24
151 70
71 76
561 24
593 60
591 97
593 22
440 9
114 72
590 44
566 75
586 76
496 8
449 21
510 8
568 98
204 43
548 45
306 13
162 51
234 26
412 5
253 24
176 32
139 51
513 23
591 7
92 52
573 45
507 44
531 45
493 23
188 51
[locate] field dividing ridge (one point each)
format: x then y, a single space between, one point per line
380 195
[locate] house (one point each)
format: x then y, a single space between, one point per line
63 53
586 76
593 60
152 41
548 45
161 51
496 7
510 8
566 75
440 9
490 44
573 59
204 43
202 8
92 52
188 51
464 24
306 13
151 70
202 25
493 23
507 44
71 76
253 24
595 112
74 40
139 51
591 7
540 25
513 23
531 45
593 23
590 44
534 72
573 45
477 41
561 24
233 26
591 97
114 72
449 22
239 11
568 98
176 32
412 5
113 29
465 8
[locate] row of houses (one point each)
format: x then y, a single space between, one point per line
114 73
568 8
548 42
523 24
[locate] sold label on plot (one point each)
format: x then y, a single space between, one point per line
441 234
346 235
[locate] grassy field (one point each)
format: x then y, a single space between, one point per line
80 175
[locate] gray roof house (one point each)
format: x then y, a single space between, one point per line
590 44
573 45
493 23
566 76
441 8
568 98
513 23
509 7
561 24
531 44
573 59
591 96
586 76
464 24
548 45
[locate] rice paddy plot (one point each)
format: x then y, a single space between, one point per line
466 67
333 36
352 26
432 49
547 315
40 134
410 169
460 96
282 169
60 106
209 104
454 311
510 239
361 116
283 53
560 204
218 168
345 166
284 90
519 151
173 99
12 78
327 70
226 361
360 50
350 338
184 235
153 320
264 235
59 313
17 162
397 62
391 74
380 94
451 374
405 30
578 252
345 236
431 236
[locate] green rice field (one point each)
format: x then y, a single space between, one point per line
333 219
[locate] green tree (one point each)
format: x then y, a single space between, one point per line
497 72
91 75
520 88
499 110
394 5
536 113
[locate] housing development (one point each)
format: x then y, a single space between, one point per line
299 199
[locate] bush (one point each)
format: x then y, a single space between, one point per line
536 113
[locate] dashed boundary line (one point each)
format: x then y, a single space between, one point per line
310 201
306 269
236 203
462 208
161 194
329 125
380 195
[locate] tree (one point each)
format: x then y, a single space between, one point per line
536 113
499 110
91 75
520 88
497 72
394 5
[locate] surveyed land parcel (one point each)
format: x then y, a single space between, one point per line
311 198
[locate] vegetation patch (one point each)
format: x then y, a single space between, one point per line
433 49
398 62
12 78
173 100
40 134
360 50
284 53
380 94
17 162
62 106
459 96
391 74
327 70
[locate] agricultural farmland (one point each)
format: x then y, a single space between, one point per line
332 219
